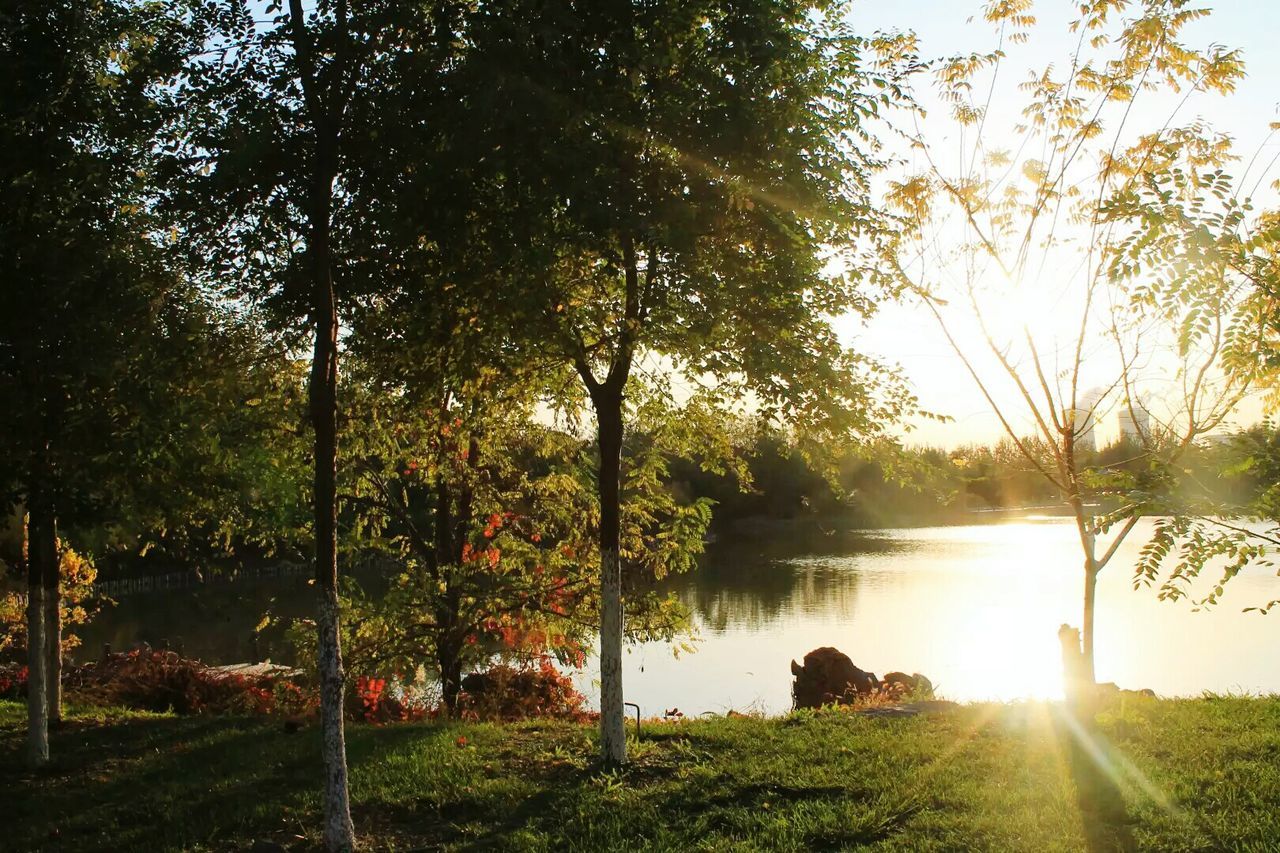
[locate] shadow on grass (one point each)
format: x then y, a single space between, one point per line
559 798
463 824
1103 811
158 784
844 839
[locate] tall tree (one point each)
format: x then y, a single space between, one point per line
326 93
673 185
267 108
85 276
269 148
450 473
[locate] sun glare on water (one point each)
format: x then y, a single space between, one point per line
1003 631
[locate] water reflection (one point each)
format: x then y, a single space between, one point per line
976 608
217 622
754 583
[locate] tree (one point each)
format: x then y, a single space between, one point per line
325 97
237 486
264 124
279 114
484 511
993 229
674 183
88 283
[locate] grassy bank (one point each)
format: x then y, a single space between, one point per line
1180 775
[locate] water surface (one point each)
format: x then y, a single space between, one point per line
976 608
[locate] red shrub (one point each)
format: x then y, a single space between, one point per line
518 693
13 681
371 702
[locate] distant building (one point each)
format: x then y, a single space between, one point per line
1086 419
1135 422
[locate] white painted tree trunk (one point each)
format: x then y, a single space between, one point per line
612 719
339 832
1090 606
37 696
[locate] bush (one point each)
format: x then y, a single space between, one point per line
376 700
506 693
160 681
13 681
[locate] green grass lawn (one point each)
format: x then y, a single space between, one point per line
1156 775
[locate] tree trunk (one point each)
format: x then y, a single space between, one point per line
450 677
50 574
1088 546
37 692
613 742
447 552
452 529
339 833
324 110
1086 628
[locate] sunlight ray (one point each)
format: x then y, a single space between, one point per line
1122 771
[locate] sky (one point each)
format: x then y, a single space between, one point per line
906 334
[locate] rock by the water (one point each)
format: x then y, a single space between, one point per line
827 676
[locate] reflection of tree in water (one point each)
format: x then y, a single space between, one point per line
216 622
751 583
742 582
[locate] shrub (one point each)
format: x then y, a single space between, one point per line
377 700
506 693
13 681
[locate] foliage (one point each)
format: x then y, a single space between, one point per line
13 681
689 210
513 573
1224 520
486 514
91 295
1200 256
235 487
77 603
375 700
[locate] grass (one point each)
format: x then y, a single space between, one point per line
1171 775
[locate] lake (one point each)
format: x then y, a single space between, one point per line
976 608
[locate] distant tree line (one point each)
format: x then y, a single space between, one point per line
1229 473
